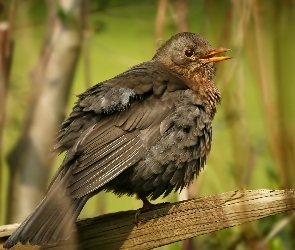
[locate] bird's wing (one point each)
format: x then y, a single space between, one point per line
112 126
114 144
114 96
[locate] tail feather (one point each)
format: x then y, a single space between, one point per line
53 220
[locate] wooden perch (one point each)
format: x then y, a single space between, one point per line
169 223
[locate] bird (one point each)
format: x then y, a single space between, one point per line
145 133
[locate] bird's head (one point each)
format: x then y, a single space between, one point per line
191 56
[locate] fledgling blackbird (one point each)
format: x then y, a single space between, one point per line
145 132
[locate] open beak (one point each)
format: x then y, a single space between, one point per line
211 57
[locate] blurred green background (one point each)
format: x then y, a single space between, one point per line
254 129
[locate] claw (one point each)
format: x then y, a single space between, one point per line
147 206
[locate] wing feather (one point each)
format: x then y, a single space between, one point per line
131 118
107 169
115 144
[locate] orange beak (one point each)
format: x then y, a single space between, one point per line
211 57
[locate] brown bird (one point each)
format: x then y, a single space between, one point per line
145 132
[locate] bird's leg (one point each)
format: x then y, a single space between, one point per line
145 207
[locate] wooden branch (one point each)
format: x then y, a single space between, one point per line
169 223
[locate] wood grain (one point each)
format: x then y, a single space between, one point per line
169 223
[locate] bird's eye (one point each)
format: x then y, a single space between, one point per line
188 53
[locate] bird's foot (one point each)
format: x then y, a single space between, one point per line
147 206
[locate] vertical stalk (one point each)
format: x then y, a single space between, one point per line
160 21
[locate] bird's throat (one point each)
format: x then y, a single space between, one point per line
210 96
206 90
